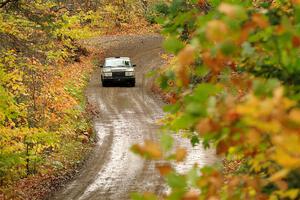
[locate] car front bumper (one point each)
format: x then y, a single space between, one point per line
119 79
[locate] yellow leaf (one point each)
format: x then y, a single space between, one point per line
294 115
253 137
285 159
216 30
164 56
180 154
292 193
279 175
187 55
153 149
149 149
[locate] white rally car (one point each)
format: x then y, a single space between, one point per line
118 69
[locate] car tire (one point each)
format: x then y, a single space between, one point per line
104 83
132 84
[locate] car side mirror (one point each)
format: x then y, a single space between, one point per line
134 65
101 66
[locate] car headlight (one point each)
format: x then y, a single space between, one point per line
129 73
108 74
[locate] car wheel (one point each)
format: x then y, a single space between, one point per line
132 84
104 83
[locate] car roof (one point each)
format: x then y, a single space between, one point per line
117 58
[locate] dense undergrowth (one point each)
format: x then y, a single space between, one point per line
233 85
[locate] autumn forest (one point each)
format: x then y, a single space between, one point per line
225 74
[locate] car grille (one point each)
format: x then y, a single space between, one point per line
118 74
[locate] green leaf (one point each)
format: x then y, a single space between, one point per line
172 108
173 45
195 140
137 196
247 49
196 109
227 48
185 121
265 87
193 176
201 71
176 181
203 91
166 141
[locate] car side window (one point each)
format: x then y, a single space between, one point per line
127 63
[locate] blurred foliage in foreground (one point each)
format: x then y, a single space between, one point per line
234 84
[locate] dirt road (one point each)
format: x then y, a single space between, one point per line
127 116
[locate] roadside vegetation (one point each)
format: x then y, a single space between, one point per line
233 85
45 121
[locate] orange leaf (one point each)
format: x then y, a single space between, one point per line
191 195
215 63
180 154
204 126
149 148
187 55
222 148
260 20
153 149
228 9
294 115
164 169
296 41
231 116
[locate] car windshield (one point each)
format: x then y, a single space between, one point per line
117 63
